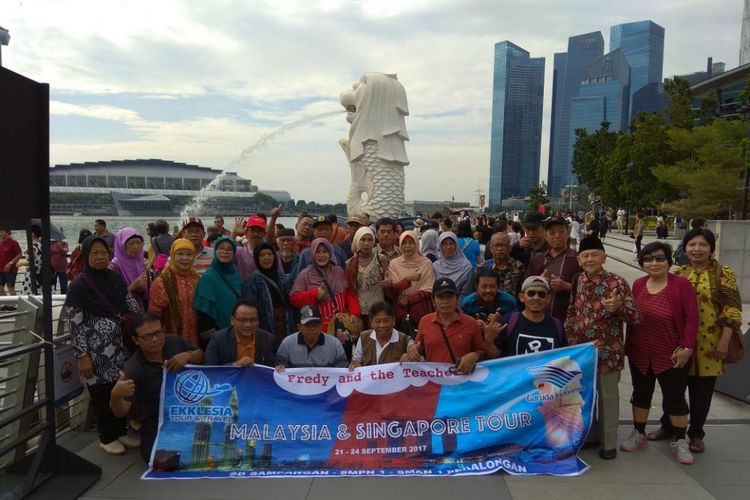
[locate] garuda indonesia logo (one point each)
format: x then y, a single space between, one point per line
192 386
553 375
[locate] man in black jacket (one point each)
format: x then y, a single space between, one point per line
243 343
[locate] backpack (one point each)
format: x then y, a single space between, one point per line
680 257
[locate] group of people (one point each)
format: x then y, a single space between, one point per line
322 295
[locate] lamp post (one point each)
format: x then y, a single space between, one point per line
4 40
570 188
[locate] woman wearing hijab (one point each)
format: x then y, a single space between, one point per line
452 264
428 244
269 290
365 272
411 276
172 293
218 289
96 302
321 284
129 262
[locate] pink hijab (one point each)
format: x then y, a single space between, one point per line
401 266
130 267
310 278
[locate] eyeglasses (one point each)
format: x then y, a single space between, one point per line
225 250
245 321
151 336
533 293
652 258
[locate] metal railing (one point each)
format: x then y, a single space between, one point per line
22 376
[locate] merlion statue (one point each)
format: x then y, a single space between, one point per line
375 149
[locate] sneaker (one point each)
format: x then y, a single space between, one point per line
697 445
113 448
130 440
659 434
634 442
681 451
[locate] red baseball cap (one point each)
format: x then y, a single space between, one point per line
192 220
256 221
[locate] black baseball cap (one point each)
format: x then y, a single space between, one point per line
309 314
555 220
443 285
533 220
321 219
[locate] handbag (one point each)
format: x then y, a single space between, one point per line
736 349
736 346
342 321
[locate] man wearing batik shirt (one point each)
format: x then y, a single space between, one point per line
601 301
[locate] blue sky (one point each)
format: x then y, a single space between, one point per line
198 81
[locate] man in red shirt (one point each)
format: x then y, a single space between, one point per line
447 335
10 253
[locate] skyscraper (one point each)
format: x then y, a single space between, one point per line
604 95
517 98
642 43
566 82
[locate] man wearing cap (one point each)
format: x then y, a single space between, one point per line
310 346
255 231
322 228
288 258
447 335
194 231
243 343
353 222
558 264
533 243
602 301
530 331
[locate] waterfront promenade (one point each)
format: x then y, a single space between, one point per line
721 472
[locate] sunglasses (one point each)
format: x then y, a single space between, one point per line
652 258
534 293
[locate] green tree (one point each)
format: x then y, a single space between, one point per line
707 168
709 109
262 200
537 196
680 101
591 157
648 147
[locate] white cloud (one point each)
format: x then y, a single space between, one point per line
274 53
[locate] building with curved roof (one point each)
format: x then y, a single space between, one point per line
149 187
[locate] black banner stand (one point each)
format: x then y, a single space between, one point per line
50 471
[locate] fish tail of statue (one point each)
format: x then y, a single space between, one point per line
376 108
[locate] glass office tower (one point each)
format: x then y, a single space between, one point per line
515 143
642 43
568 71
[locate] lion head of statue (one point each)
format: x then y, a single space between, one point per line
376 108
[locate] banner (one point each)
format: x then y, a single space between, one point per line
524 414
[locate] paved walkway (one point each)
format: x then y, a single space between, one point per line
722 472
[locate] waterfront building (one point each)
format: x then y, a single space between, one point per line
517 98
566 83
147 187
642 44
726 87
